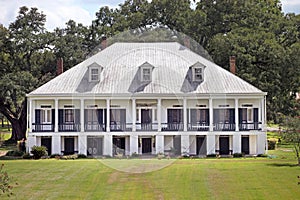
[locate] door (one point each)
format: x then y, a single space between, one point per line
200 145
146 145
94 146
224 145
46 142
69 146
146 119
177 144
119 145
245 145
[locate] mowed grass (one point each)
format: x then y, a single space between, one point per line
234 178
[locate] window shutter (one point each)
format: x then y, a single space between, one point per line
216 116
123 116
60 116
53 116
86 116
100 116
77 116
255 115
231 116
193 116
206 112
37 116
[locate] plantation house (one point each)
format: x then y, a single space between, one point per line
147 98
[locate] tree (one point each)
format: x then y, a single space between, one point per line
291 134
26 59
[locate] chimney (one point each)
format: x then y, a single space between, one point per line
232 67
103 42
60 66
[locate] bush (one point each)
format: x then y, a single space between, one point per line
81 156
262 155
271 144
38 151
27 156
211 155
134 155
70 157
238 155
56 155
15 153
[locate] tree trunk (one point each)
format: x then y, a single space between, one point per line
298 161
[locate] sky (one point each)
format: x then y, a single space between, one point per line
58 12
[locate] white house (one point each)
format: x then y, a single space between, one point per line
147 98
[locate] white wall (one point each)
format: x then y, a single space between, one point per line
168 142
193 145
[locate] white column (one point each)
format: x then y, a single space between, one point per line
211 117
29 117
56 144
263 113
261 143
184 115
185 144
211 144
236 108
134 146
107 145
107 115
31 141
159 114
133 115
56 116
82 115
159 144
237 143
82 144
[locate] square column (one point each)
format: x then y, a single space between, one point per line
56 144
159 144
159 115
82 144
133 115
261 141
134 145
184 115
237 143
56 116
211 117
107 116
29 117
185 144
107 145
82 115
211 144
236 109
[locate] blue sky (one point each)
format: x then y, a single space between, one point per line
58 12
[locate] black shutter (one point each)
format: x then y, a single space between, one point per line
193 116
77 116
38 116
180 112
255 115
123 116
100 116
170 117
207 116
240 115
60 116
53 116
86 116
231 116
216 116
105 115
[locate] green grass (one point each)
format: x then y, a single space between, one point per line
234 178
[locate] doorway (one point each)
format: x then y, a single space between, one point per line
69 146
46 142
146 119
94 146
201 145
146 145
118 145
245 145
224 145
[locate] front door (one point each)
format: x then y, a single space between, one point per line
119 145
46 142
146 119
94 146
245 145
69 146
177 144
201 146
146 145
224 145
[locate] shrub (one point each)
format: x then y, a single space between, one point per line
134 155
81 156
15 153
262 155
238 155
38 151
271 144
211 155
56 155
70 157
27 156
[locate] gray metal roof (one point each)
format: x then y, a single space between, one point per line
170 75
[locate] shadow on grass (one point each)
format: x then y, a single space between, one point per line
283 165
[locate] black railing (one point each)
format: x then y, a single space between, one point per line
172 126
121 127
245 126
94 126
224 127
198 126
68 127
146 127
44 127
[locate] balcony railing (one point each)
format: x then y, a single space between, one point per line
94 127
245 126
44 127
69 127
198 126
224 126
147 127
172 126
121 127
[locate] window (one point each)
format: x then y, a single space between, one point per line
198 72
46 116
146 74
69 115
94 72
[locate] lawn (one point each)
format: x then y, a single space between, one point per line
225 178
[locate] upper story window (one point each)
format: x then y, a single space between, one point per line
198 72
94 72
146 72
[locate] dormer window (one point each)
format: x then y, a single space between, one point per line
94 72
146 72
198 72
